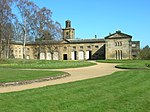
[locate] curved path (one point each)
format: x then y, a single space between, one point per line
99 70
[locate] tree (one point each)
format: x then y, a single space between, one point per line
45 29
37 23
33 22
6 21
145 53
18 31
27 10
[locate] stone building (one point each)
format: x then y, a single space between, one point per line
117 46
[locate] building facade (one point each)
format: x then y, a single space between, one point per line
117 46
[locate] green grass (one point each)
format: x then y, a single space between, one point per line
123 61
124 91
129 64
12 75
42 64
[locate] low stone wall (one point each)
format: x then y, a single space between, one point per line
131 68
33 81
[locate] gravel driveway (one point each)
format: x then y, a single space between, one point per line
99 70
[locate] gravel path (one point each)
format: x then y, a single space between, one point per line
99 70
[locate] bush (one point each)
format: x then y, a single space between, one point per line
148 65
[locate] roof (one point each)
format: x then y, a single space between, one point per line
45 42
117 35
85 40
70 41
68 28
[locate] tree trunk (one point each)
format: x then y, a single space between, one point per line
7 49
24 40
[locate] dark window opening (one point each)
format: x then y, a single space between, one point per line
75 55
67 33
90 55
64 56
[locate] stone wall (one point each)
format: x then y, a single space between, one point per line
97 50
118 48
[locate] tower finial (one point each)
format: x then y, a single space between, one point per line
68 24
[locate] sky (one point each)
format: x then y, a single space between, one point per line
101 17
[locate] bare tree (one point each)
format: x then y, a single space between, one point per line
45 29
27 9
6 20
33 23
37 23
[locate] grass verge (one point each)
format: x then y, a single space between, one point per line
12 75
42 64
124 91
129 64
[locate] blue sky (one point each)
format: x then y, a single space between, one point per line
101 17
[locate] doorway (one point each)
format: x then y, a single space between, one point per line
75 55
64 56
90 55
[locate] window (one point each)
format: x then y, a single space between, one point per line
74 47
96 46
19 51
133 45
65 48
116 44
81 47
119 54
67 33
119 43
88 47
56 48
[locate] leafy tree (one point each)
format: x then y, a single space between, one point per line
145 53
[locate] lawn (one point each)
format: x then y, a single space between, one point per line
42 64
129 64
123 91
12 75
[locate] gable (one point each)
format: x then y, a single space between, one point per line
118 35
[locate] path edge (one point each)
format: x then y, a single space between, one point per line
25 82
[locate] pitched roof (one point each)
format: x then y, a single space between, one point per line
117 35
85 40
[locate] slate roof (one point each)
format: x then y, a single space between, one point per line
85 40
116 35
